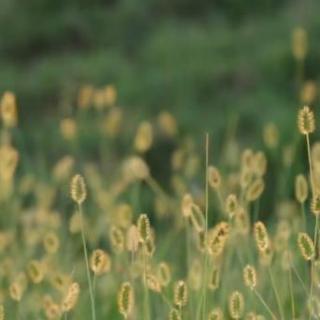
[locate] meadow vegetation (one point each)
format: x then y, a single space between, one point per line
216 232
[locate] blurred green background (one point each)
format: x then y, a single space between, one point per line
201 60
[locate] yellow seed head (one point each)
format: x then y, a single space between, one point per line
164 274
8 106
255 190
35 271
85 96
236 305
16 291
301 188
51 242
306 122
70 299
260 164
143 226
100 262
231 204
299 43
153 283
132 239
144 137
117 239
309 92
261 236
215 314
186 205
214 280
180 294
167 124
78 189
306 246
68 128
125 299
218 238
174 314
315 204
135 168
250 276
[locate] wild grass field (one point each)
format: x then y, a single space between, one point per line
111 210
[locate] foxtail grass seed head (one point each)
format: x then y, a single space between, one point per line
117 239
236 305
9 112
153 283
250 277
174 314
164 274
266 257
35 271
135 168
186 205
78 189
260 164
255 190
143 226
214 177
241 221
100 262
180 294
306 246
144 137
71 297
218 238
315 204
308 92
51 242
214 280
299 43
251 316
125 299
231 205
16 291
301 188
167 124
215 314
197 218
261 236
247 159
133 239
306 122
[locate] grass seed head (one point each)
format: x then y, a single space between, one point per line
78 189
306 246
301 188
261 236
250 276
180 294
236 305
306 122
143 226
100 262
215 314
125 299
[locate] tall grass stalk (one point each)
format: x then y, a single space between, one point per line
85 251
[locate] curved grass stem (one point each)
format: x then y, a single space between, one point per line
85 251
